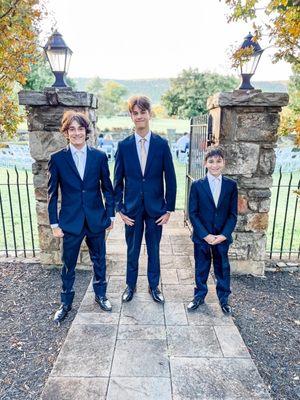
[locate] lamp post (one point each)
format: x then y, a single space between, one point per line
249 62
59 56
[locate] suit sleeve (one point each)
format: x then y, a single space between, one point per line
232 214
53 184
107 188
170 179
198 227
119 180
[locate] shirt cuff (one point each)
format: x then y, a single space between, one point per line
112 219
168 212
54 226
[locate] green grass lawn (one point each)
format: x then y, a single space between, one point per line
180 201
157 124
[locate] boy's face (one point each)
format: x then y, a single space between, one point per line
215 165
76 135
140 118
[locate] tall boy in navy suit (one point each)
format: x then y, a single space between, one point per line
145 192
213 215
81 172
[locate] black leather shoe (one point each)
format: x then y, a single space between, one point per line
128 294
226 308
195 303
61 313
157 295
103 302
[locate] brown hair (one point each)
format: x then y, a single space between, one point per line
214 151
80 118
143 102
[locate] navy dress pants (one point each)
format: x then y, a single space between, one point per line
70 250
204 253
134 236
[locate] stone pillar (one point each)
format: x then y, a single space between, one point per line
245 124
44 113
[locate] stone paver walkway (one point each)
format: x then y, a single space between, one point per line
143 350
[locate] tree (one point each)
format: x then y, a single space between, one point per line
18 48
188 93
282 26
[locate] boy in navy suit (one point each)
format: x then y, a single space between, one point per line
82 175
213 215
145 193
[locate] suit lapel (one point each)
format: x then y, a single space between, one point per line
133 152
69 159
151 152
88 161
206 187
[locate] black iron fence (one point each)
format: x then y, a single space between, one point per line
18 230
284 218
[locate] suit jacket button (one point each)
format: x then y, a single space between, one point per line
83 191
144 180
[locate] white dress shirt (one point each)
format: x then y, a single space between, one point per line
215 184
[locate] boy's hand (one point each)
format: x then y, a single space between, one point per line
163 219
110 226
210 239
219 239
57 232
128 221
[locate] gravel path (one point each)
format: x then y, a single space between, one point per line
267 313
29 341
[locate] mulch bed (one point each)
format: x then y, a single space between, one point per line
29 340
267 313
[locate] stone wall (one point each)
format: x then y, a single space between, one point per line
245 124
44 111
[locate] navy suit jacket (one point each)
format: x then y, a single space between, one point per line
205 217
80 199
156 189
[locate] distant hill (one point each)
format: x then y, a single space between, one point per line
155 88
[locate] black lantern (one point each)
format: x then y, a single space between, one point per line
249 62
59 56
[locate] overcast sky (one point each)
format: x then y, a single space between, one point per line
134 39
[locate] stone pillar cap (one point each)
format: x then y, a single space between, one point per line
250 98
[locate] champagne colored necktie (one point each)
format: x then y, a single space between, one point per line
79 164
143 155
217 191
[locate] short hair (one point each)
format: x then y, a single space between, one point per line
214 151
71 116
143 102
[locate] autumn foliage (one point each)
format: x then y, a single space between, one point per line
18 48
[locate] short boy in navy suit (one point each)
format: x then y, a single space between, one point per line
213 215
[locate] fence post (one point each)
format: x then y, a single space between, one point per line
45 110
245 124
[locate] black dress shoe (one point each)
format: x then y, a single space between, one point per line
103 302
226 308
128 294
195 303
61 313
157 295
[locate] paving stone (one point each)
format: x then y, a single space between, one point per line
87 351
75 389
208 314
180 239
169 276
185 293
143 358
178 262
231 342
175 314
139 389
146 313
183 249
187 276
96 318
88 303
145 332
199 378
193 341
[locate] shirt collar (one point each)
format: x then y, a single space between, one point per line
74 150
138 137
212 178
